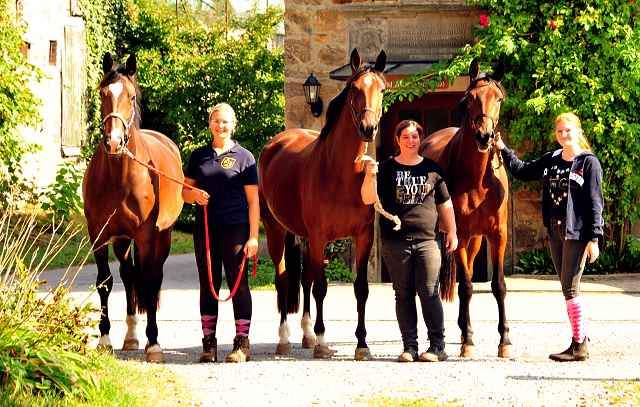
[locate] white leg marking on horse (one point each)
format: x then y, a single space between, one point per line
284 333
132 323
320 340
307 326
104 340
154 348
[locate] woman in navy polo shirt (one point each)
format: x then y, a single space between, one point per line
228 174
572 205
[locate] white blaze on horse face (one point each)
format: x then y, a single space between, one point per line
116 90
368 80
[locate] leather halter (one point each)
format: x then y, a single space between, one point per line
127 126
357 117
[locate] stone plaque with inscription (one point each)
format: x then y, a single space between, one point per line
432 38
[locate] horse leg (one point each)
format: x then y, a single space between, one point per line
104 282
499 289
315 262
465 292
147 289
308 338
276 243
363 242
473 249
122 250
160 254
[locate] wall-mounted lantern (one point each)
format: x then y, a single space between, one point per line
312 94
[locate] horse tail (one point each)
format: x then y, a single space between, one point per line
294 271
447 271
137 291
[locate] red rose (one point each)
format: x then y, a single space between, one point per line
484 20
553 24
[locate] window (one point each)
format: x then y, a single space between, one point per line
53 53
26 50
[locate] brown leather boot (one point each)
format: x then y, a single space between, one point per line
209 349
240 352
577 352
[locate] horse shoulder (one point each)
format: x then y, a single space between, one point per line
434 145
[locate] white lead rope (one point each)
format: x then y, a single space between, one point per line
377 205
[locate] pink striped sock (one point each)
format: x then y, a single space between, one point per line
209 323
242 327
575 309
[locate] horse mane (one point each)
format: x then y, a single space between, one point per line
337 103
482 76
113 76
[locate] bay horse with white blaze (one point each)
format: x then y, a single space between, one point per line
477 183
124 201
310 186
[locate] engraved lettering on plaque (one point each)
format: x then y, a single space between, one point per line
427 39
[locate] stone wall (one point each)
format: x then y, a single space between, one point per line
46 20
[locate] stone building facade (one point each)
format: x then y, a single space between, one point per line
319 37
55 43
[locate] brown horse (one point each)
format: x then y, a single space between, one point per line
310 186
477 183
124 201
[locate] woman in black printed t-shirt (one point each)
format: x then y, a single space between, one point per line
228 175
412 187
572 205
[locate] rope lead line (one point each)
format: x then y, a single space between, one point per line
206 231
377 205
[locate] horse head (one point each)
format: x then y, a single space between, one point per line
481 103
120 108
366 90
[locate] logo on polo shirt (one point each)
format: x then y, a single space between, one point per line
227 162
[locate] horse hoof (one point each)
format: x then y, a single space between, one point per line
308 343
506 351
131 344
155 357
283 349
468 351
362 354
321 352
105 348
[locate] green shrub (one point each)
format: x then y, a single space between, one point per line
43 338
337 271
63 198
537 262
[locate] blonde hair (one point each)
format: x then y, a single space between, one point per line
223 107
583 143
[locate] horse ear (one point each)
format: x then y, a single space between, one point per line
107 62
498 73
355 60
381 61
474 69
131 64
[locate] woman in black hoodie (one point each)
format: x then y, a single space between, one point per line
572 205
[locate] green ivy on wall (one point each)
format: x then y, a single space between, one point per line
565 55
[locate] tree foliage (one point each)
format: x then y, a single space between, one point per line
18 105
577 56
188 64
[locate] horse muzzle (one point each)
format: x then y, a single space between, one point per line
484 142
113 145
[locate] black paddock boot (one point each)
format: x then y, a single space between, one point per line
577 352
209 349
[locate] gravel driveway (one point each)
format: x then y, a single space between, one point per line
537 319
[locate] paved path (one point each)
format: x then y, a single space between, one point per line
535 310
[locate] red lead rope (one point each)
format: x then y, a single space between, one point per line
206 231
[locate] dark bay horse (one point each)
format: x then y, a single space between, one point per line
310 186
477 183
131 202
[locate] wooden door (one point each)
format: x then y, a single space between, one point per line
74 83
